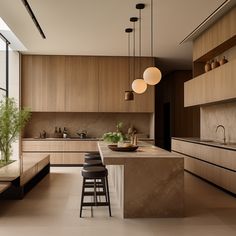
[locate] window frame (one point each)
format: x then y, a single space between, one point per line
6 90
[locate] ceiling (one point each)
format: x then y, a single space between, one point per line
96 27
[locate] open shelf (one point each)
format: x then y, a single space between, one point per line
214 86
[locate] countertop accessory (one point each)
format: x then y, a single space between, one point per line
152 75
82 134
115 148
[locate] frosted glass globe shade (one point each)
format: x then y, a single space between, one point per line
139 86
152 75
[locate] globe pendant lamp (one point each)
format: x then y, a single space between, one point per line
139 86
129 95
152 75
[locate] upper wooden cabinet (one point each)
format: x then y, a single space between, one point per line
214 86
218 84
215 40
113 81
81 84
43 83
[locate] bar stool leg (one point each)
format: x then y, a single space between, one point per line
108 196
82 198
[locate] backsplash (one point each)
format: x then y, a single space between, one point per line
213 115
96 124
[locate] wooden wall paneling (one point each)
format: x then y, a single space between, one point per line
217 38
143 102
113 81
81 84
55 83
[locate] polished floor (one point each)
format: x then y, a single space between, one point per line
52 208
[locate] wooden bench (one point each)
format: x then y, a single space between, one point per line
4 186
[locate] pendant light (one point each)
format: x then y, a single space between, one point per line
129 95
139 85
152 75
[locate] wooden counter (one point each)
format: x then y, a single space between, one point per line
149 182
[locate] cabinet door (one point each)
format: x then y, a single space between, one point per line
81 84
43 82
113 81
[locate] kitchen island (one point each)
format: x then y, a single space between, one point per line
149 182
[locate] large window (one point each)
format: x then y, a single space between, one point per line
3 67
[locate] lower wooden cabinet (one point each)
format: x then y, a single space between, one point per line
61 152
217 165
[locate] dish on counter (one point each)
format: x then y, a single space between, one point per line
115 148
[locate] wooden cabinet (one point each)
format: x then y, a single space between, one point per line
61 152
81 88
216 39
113 81
218 84
43 83
214 86
216 165
81 84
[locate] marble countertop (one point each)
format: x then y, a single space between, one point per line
75 139
144 151
229 146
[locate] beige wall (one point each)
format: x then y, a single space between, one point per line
213 115
95 123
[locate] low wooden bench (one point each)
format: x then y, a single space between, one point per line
4 186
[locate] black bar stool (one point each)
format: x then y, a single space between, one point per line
92 156
89 163
99 176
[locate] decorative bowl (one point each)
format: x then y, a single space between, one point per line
115 148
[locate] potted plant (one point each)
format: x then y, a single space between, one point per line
115 137
12 120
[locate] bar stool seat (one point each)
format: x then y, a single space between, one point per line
89 163
100 181
92 157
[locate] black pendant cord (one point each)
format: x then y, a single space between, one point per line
134 50
140 42
151 28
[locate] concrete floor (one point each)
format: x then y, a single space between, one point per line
52 208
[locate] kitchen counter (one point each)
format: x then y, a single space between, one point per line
75 139
149 183
228 146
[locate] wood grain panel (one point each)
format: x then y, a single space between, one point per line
113 81
81 84
217 38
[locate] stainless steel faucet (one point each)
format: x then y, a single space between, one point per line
221 126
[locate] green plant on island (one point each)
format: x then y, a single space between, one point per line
12 121
115 137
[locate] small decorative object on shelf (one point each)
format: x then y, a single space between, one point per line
207 66
214 64
223 61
